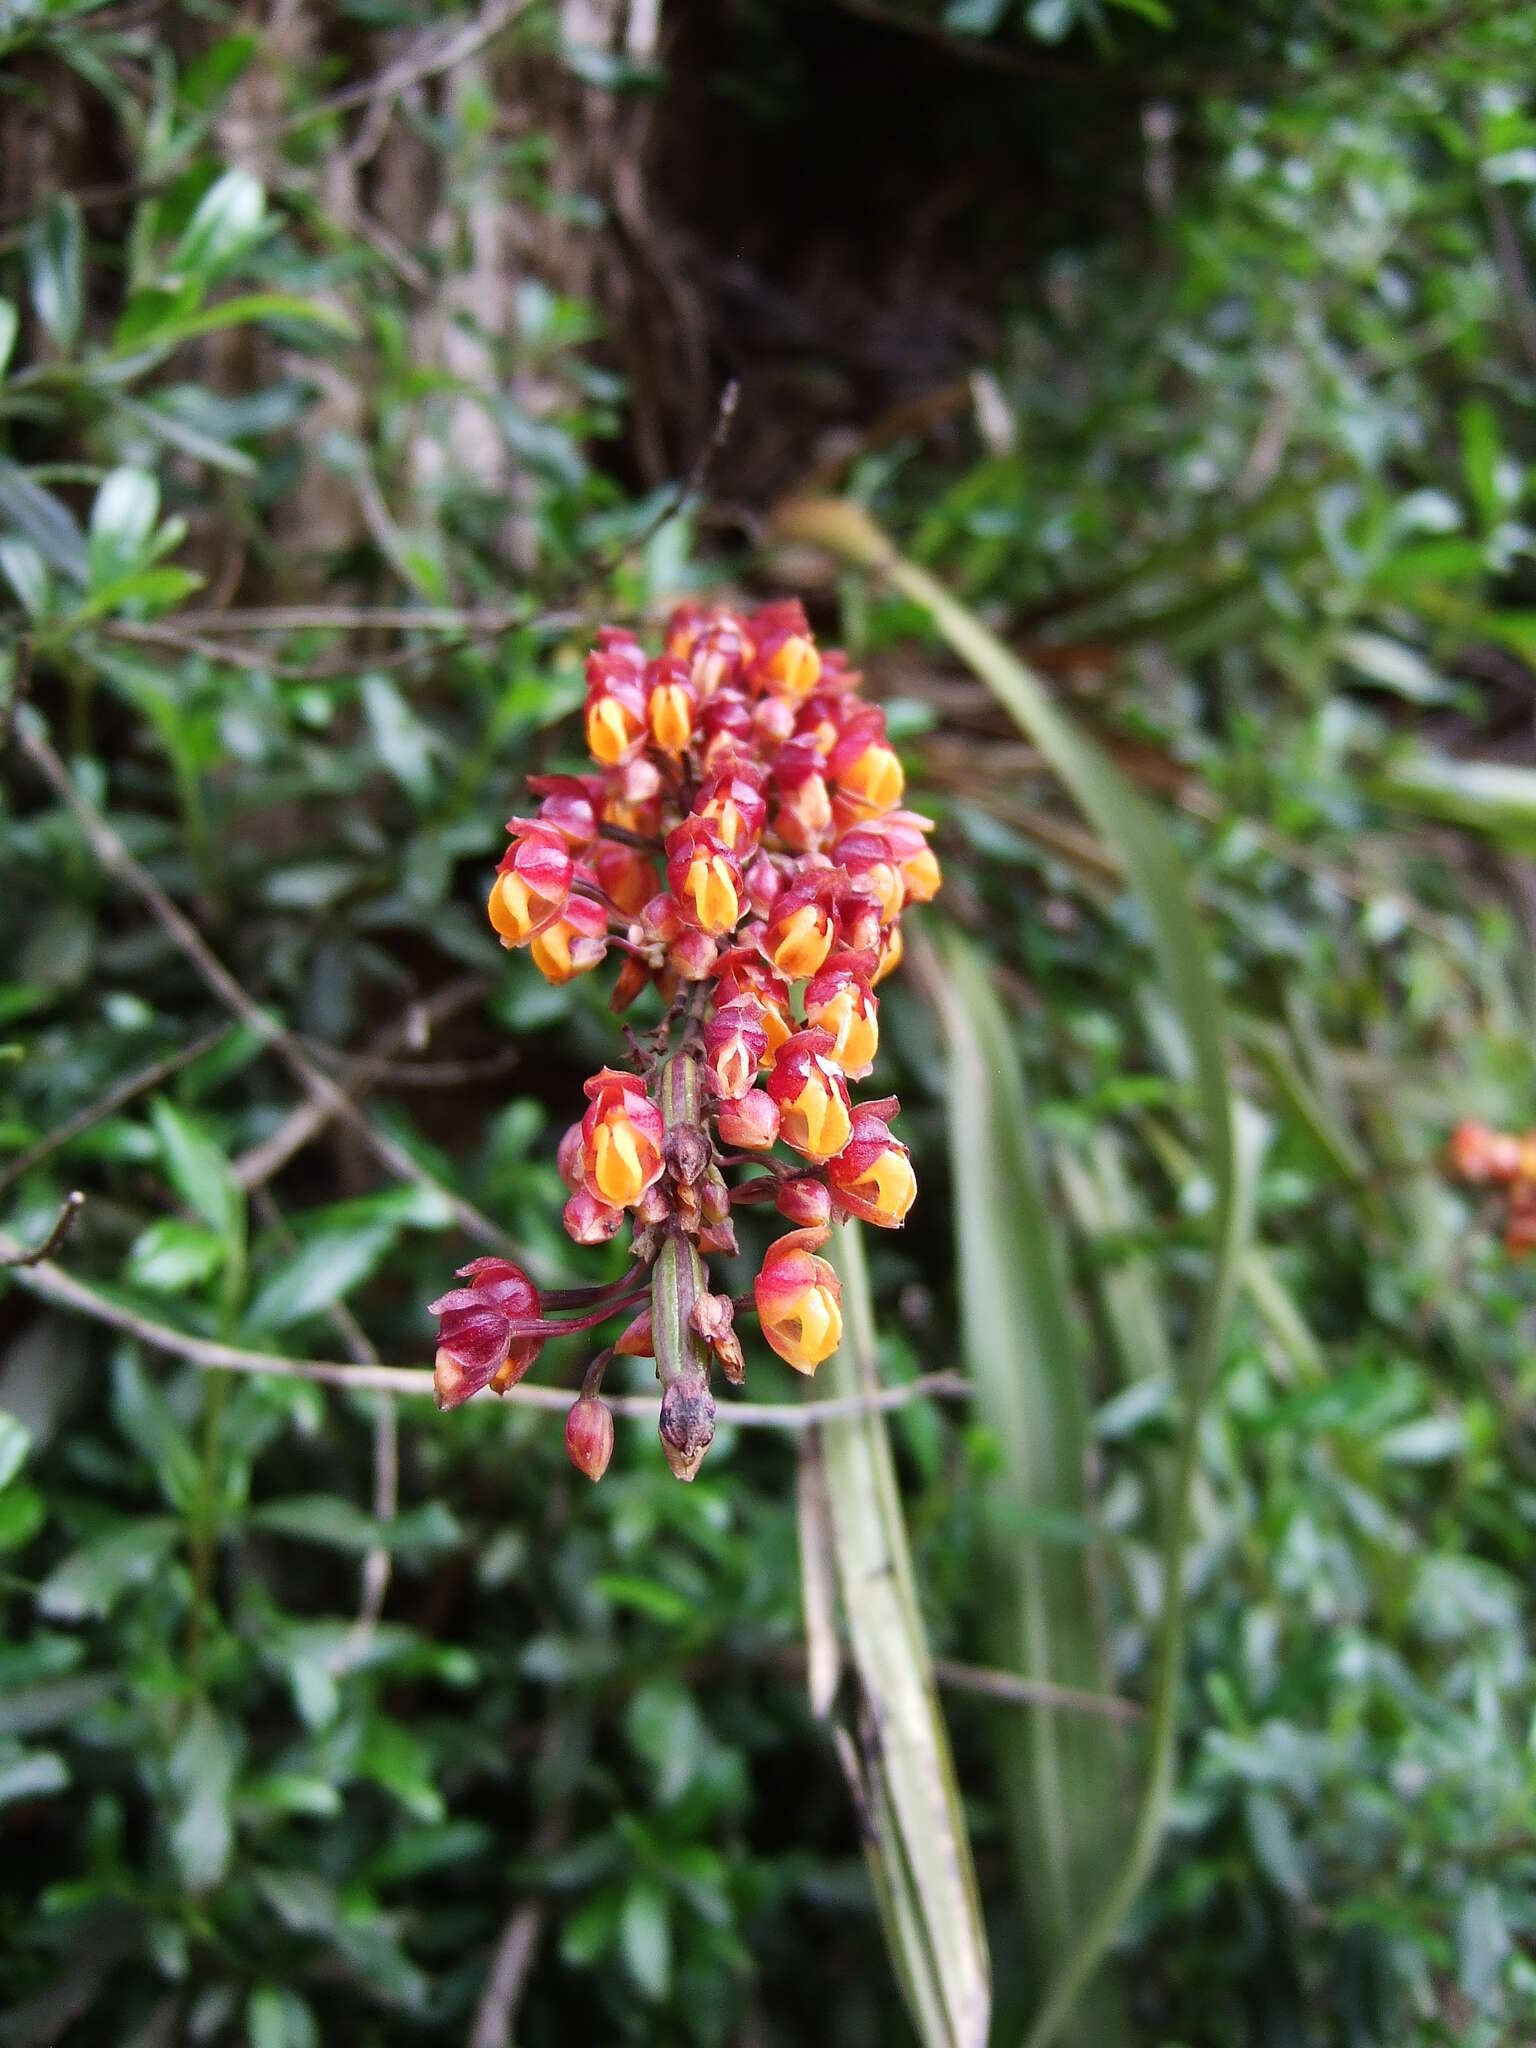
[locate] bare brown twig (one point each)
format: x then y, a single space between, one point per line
16 1255
61 1290
305 1123
412 69
107 1105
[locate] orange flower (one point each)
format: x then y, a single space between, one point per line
814 1112
872 1176
670 706
621 1138
799 1301
799 934
532 882
839 1002
574 944
615 719
865 766
705 877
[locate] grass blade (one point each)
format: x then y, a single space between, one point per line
1135 833
902 1774
1062 1770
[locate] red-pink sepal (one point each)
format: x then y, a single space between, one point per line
804 1200
752 1121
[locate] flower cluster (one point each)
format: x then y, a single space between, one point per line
1489 1158
740 843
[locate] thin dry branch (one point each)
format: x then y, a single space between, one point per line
414 68
59 1289
1014 1690
322 1090
17 1255
116 1098
414 1027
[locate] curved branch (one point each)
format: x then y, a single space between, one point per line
61 1290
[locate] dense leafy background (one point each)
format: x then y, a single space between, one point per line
1195 348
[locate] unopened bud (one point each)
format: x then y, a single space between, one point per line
803 1200
589 1436
638 1339
687 1152
687 1425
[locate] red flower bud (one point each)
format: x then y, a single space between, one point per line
569 806
589 1436
637 1339
764 886
750 1121
588 1220
804 1201
804 814
692 954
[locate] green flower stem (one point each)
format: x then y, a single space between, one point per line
677 1280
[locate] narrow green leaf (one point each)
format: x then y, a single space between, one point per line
645 1938
227 221
320 1274
15 1443
122 519
1496 797
1020 1346
1101 1200
1133 831
92 1579
237 312
8 324
43 520
198 1170
55 267
935 1925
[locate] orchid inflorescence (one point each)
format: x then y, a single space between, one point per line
740 843
1488 1158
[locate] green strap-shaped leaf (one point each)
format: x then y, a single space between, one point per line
1061 1772
901 1766
1133 831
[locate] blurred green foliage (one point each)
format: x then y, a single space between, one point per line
317 460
